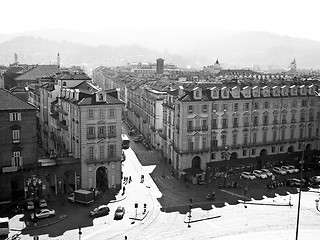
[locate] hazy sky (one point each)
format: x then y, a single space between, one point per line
285 17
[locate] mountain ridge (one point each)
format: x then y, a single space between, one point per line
195 48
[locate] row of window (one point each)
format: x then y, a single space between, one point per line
255 105
194 142
245 152
15 116
101 132
203 123
101 112
99 153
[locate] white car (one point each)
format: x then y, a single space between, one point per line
43 203
43 213
287 169
267 171
247 175
259 174
296 170
279 171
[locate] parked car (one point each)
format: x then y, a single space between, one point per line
136 139
247 175
267 171
119 213
280 171
287 169
42 203
259 174
293 182
43 213
296 170
99 211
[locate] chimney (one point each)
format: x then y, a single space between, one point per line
16 58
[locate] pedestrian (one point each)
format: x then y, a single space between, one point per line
125 237
123 190
130 179
163 175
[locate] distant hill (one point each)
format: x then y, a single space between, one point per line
195 47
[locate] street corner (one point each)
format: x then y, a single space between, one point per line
119 197
197 216
30 225
139 216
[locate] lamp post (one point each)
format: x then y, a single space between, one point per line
317 205
244 197
190 207
226 148
80 232
301 170
34 186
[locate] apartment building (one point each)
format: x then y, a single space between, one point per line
208 129
88 126
18 144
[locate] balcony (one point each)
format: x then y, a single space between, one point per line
235 146
112 135
63 124
197 129
246 124
102 135
186 151
283 121
91 136
293 140
214 126
61 110
103 160
235 125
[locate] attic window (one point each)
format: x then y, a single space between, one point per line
100 97
64 84
225 93
197 94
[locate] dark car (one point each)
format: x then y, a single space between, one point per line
119 213
100 211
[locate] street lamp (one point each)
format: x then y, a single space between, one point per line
244 196
80 232
301 170
34 187
226 148
190 207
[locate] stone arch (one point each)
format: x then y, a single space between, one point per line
291 149
196 162
233 155
102 178
263 152
308 147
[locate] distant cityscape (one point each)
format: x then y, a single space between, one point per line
64 125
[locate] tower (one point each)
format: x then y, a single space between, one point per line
58 60
16 59
160 66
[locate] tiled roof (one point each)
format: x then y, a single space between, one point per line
74 76
10 102
91 100
39 71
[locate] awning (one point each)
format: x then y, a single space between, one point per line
193 171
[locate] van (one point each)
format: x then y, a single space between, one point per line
4 226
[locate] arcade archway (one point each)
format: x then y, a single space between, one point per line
196 162
291 149
263 152
102 179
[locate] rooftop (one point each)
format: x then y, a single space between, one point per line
10 102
